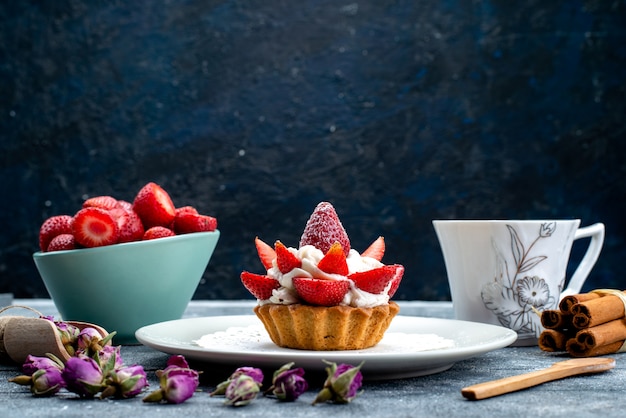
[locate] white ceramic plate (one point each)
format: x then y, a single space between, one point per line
412 346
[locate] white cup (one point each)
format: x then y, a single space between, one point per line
505 272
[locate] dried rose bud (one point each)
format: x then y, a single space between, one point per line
69 335
47 382
253 372
342 384
288 384
83 376
44 375
180 386
125 382
177 382
106 354
34 363
89 340
175 387
182 381
177 361
133 380
241 390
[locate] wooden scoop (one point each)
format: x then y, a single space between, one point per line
556 371
21 336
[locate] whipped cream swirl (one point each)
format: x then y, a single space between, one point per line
311 256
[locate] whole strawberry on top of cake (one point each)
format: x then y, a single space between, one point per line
324 295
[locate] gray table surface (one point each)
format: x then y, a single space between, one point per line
434 395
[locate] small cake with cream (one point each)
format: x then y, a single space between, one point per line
324 295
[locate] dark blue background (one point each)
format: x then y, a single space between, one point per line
398 112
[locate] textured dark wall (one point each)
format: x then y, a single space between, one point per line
398 112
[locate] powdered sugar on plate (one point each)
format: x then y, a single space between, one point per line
237 338
255 337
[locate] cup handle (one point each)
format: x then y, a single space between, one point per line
596 232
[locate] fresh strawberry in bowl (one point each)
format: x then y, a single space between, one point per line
123 265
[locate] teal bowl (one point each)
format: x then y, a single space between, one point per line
124 287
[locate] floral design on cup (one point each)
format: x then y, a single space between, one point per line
516 296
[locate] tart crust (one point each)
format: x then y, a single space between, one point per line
323 328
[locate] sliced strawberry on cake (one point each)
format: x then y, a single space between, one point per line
321 292
395 282
376 280
266 253
334 261
376 250
259 285
285 259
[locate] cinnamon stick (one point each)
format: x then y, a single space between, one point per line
575 349
586 324
553 340
597 311
568 301
604 334
555 319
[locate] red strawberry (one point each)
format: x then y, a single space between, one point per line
185 223
259 285
324 228
124 205
129 226
266 253
285 259
334 261
375 280
102 202
186 209
62 242
118 211
53 226
154 206
376 249
95 227
320 291
158 232
395 282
